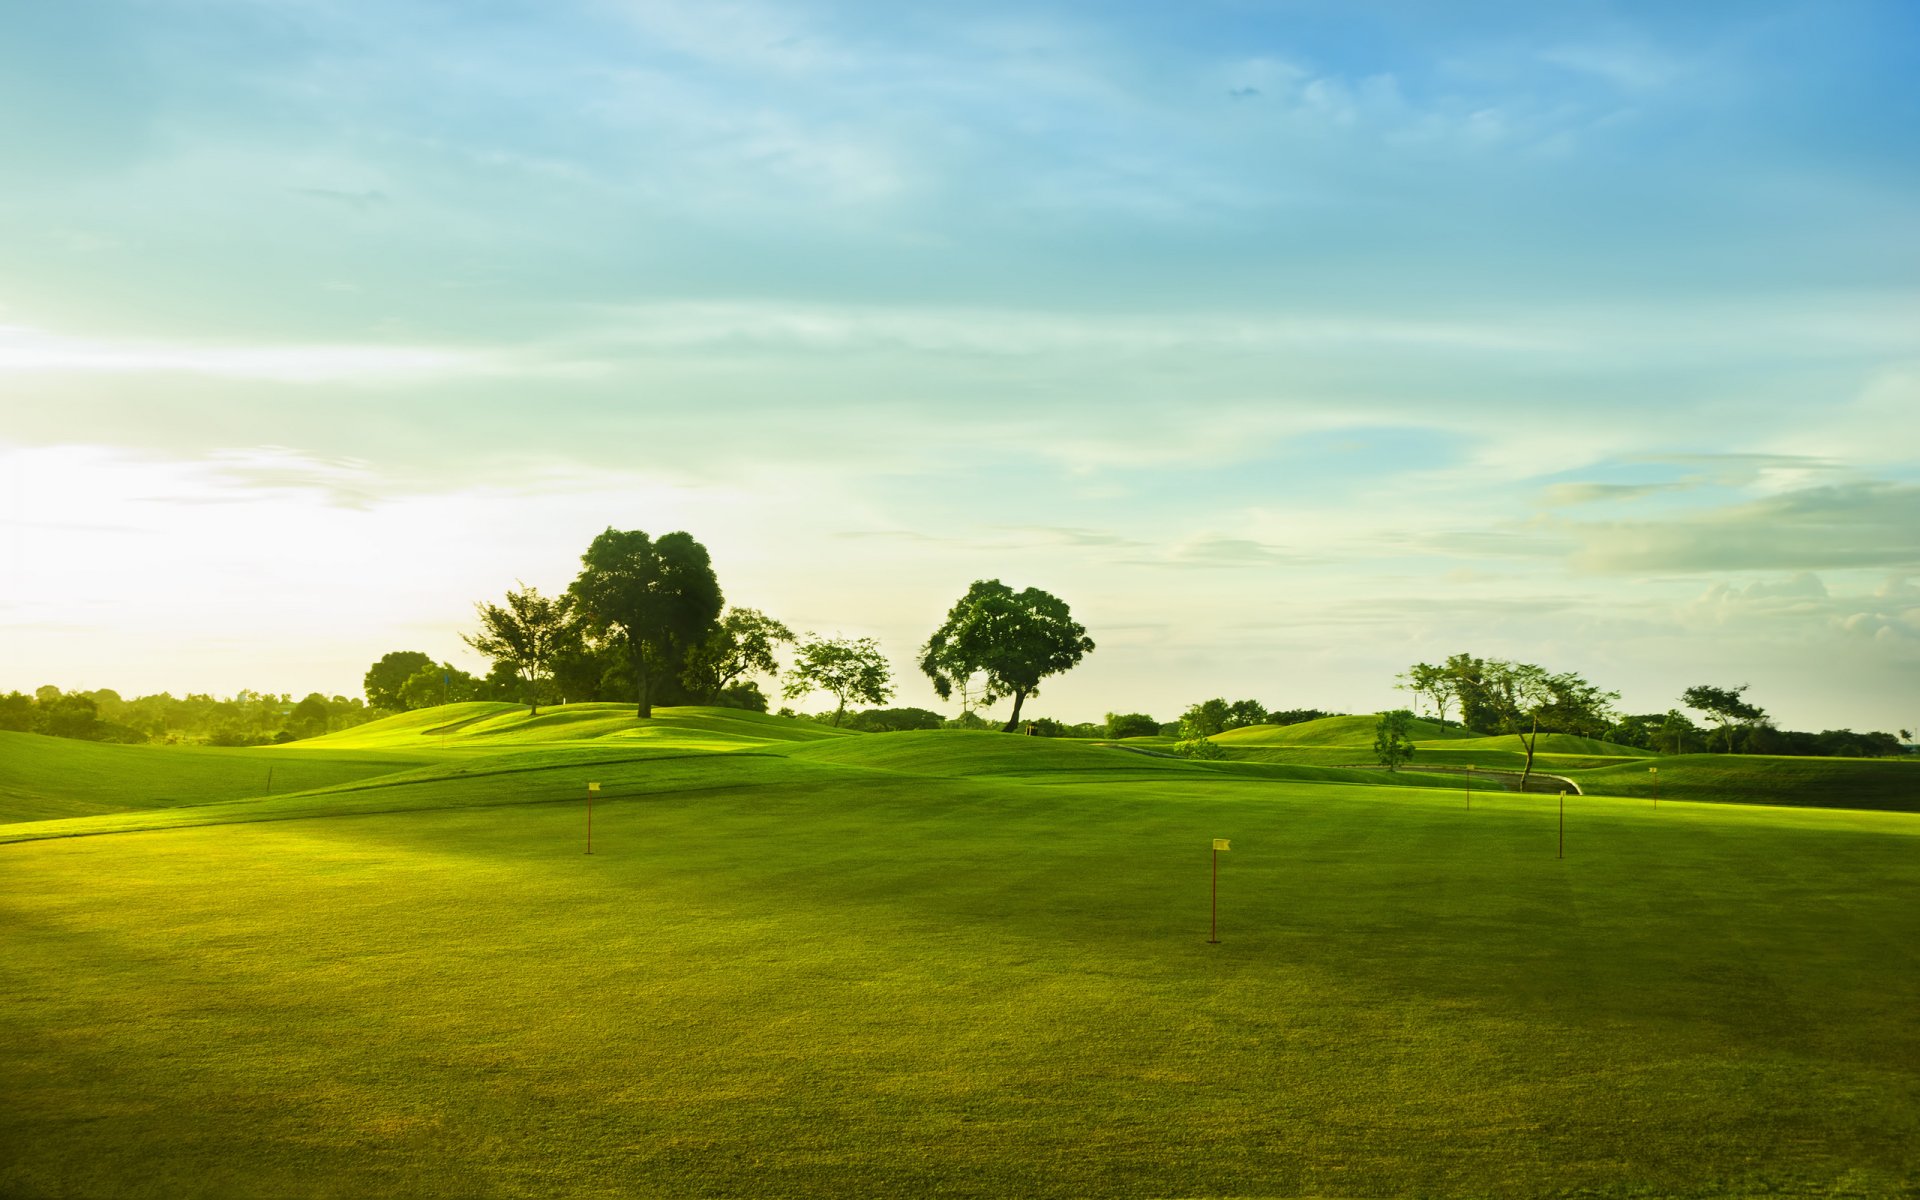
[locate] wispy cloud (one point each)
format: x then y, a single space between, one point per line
31 351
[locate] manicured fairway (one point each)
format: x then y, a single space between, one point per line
782 975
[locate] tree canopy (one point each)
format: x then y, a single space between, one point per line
386 678
1724 705
851 669
1009 640
1391 744
658 598
524 636
1525 699
740 646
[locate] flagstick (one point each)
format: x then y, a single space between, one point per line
1219 844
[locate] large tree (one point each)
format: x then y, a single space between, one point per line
385 678
657 598
1011 640
851 669
524 636
1527 700
1724 705
740 646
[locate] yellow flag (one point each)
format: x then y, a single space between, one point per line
1221 844
593 787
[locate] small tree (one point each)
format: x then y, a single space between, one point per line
1390 743
385 678
1437 684
741 645
1126 725
1205 749
1242 713
525 636
1205 719
1724 705
1012 640
850 669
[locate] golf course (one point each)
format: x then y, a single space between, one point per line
799 961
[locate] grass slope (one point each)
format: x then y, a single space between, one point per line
1332 731
492 726
782 975
1870 783
42 778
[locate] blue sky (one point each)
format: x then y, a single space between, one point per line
1289 343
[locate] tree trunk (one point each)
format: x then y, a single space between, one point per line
1013 722
643 692
1528 773
839 712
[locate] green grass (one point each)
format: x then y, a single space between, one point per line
959 965
490 727
44 777
1874 783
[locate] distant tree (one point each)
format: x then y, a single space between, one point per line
434 685
1437 684
1527 700
1242 713
1298 716
968 719
894 720
747 696
1464 674
1676 734
73 715
385 678
1390 742
1012 640
16 712
659 599
1126 725
740 646
309 717
526 635
850 669
1724 706
1204 719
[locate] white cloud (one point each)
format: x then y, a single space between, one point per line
33 351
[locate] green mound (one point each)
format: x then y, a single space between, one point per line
960 752
1865 783
493 726
1331 731
43 778
1562 744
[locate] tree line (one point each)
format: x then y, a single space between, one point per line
645 620
248 718
1496 696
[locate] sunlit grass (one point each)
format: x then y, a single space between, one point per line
861 968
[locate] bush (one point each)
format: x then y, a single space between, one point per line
892 720
1126 725
1201 748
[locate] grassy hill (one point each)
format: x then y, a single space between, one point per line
1332 731
45 777
946 964
491 726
